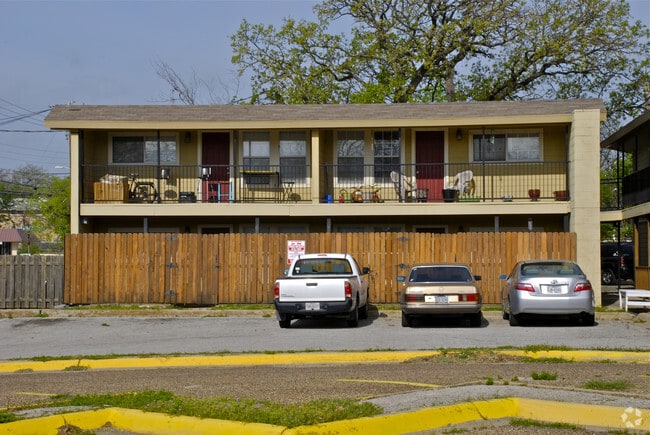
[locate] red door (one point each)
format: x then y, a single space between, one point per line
430 162
215 162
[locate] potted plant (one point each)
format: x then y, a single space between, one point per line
534 194
450 195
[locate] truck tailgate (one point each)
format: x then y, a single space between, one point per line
306 289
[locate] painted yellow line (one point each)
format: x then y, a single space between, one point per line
219 360
417 421
370 381
29 393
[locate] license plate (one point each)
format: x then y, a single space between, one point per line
436 299
312 306
553 289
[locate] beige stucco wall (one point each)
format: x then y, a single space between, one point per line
584 183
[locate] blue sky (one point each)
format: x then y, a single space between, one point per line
104 52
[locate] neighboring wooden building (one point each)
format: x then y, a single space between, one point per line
633 142
11 240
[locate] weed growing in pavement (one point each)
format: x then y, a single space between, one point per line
489 381
76 368
524 422
544 347
244 410
7 417
607 385
543 376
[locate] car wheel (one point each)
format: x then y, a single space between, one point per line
407 322
353 320
363 312
286 322
514 320
476 320
589 319
504 313
608 277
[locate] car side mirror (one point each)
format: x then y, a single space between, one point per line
286 272
365 270
503 277
401 278
477 277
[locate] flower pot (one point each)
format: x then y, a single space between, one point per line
534 194
450 195
560 195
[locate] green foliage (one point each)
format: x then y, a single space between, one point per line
607 385
54 204
523 422
245 410
7 417
543 376
444 50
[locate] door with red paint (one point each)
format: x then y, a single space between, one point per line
430 162
215 166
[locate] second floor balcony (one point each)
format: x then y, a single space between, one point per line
406 183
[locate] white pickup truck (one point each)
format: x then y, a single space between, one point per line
322 285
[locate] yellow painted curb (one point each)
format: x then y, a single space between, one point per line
416 421
584 355
304 358
134 421
421 420
218 360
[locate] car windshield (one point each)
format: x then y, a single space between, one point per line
440 274
310 266
550 269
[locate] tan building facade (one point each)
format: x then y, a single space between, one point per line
439 167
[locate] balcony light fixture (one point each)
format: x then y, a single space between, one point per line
188 137
459 134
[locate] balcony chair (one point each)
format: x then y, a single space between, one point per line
403 187
464 183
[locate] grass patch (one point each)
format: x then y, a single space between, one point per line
243 410
76 368
244 307
607 385
545 348
7 417
524 422
544 376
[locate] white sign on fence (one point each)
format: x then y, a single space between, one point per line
294 249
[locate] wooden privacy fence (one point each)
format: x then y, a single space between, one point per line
31 281
192 269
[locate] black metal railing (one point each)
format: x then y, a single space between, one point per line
473 182
636 188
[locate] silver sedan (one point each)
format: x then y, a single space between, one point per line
547 287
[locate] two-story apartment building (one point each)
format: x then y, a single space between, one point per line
438 167
632 141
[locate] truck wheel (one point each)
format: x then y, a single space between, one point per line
285 322
608 277
353 320
363 312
